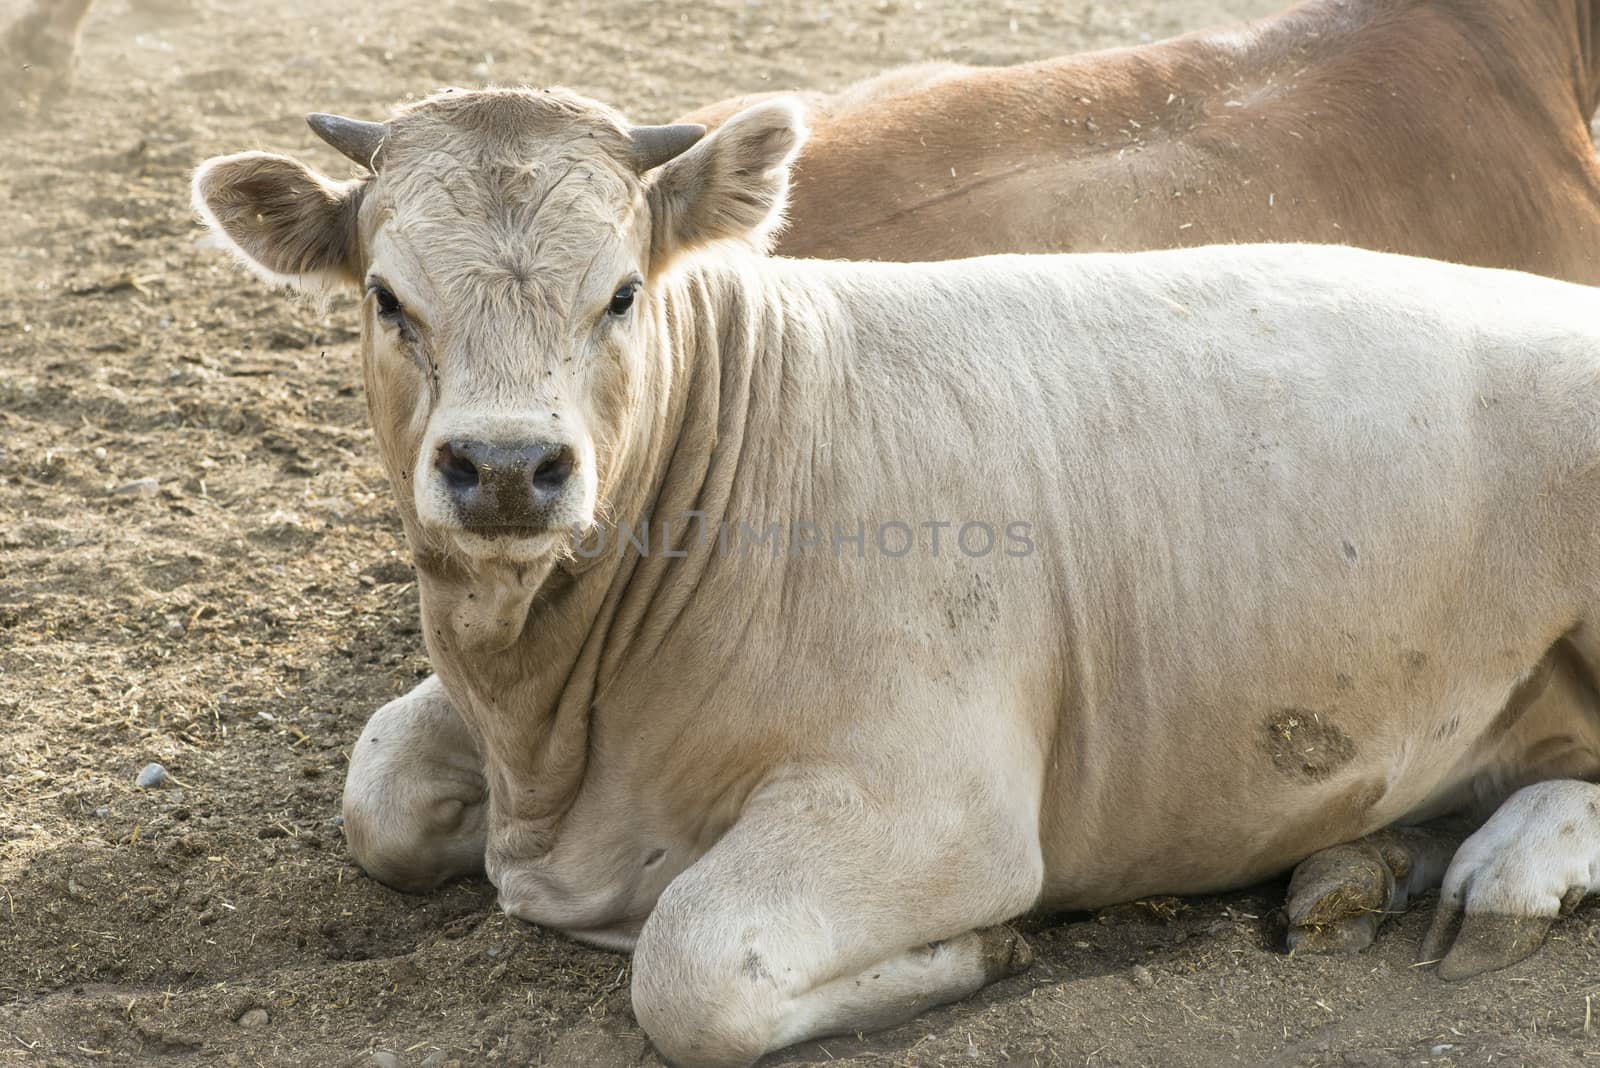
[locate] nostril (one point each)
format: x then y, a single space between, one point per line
459 472
554 469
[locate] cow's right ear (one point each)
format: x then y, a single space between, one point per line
283 220
732 186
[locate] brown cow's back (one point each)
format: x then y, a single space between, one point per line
1452 130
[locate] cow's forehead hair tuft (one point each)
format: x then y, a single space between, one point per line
507 191
506 127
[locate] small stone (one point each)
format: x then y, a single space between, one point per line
151 776
253 1018
384 1059
1441 1049
436 1059
102 811
139 487
1142 977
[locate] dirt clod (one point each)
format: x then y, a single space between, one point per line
253 1019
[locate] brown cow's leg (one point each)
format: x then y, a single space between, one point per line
1339 897
829 908
415 811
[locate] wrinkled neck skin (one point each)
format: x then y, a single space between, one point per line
525 652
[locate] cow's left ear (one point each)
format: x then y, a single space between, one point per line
286 222
732 186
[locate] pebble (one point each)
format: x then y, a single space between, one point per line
1441 1049
384 1059
152 775
1142 977
139 487
436 1059
254 1018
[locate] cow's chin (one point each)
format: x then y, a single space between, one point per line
514 546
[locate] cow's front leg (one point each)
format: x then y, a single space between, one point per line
1340 896
414 798
1534 860
834 907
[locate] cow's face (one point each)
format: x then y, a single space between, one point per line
506 244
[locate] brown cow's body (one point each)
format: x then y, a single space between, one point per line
1452 130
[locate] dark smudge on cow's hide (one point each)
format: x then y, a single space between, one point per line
1306 744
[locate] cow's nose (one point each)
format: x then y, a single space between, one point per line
496 487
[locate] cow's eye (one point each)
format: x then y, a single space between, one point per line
622 299
388 303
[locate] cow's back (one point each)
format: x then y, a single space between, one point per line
1443 130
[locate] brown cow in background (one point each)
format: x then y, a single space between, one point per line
1442 128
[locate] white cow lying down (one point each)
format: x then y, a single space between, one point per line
1286 546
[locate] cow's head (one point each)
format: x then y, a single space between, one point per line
506 242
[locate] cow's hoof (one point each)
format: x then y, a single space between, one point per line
1005 953
1483 942
1532 862
1338 897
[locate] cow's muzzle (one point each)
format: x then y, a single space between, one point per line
504 490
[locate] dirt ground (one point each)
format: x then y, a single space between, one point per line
238 617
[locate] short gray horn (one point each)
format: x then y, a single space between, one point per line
361 141
654 145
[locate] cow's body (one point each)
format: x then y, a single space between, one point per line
1302 520
1457 131
1290 544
